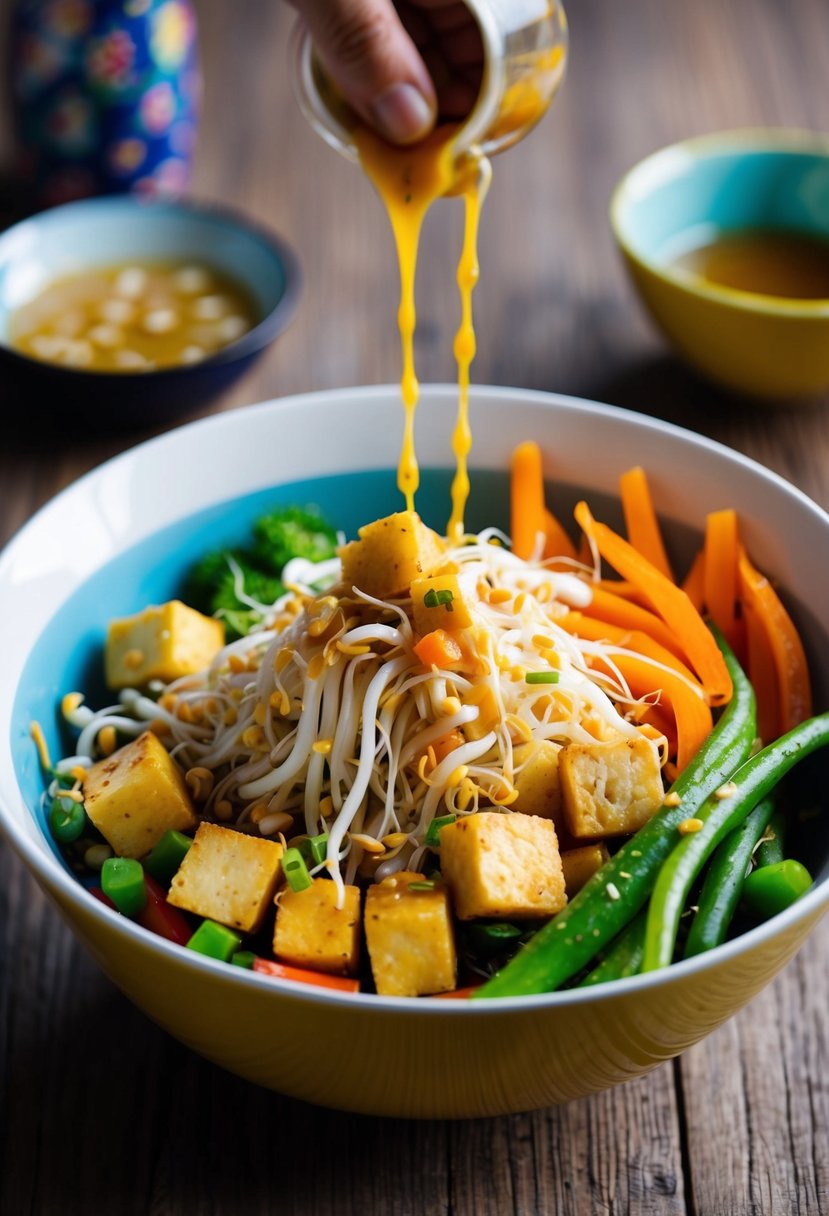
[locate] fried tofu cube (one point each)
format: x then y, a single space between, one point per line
161 643
311 931
609 789
502 864
442 601
228 876
409 935
581 864
390 554
537 780
136 795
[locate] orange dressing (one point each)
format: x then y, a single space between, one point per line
409 180
464 348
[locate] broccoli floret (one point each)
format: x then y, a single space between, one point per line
204 579
212 588
289 532
286 532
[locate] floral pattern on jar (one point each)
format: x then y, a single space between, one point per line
106 95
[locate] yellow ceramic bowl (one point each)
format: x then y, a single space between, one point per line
108 544
685 196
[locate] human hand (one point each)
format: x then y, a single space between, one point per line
402 67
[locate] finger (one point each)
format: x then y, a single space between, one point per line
371 58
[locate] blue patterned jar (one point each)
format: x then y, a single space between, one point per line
106 96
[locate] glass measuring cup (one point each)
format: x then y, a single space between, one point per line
525 51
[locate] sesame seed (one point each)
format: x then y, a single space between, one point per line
612 891
672 799
689 826
726 791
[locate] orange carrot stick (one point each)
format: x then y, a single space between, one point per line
593 630
761 669
691 715
605 606
642 525
669 602
624 590
527 510
694 585
302 976
720 571
557 543
794 688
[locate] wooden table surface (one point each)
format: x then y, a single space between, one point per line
101 1111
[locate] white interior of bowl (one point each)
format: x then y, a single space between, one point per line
585 445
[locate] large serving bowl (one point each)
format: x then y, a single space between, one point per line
113 542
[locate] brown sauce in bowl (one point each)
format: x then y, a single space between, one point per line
764 261
134 317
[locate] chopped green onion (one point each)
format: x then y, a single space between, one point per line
541 677
438 599
426 885
488 939
215 940
296 871
433 833
243 958
313 848
163 861
122 880
67 820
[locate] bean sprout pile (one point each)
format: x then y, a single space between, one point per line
325 720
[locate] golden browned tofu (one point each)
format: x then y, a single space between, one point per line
390 554
537 782
228 876
311 931
581 864
441 601
161 643
609 789
502 864
136 795
409 937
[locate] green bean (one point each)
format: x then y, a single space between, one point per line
616 892
771 849
724 880
720 815
772 889
624 958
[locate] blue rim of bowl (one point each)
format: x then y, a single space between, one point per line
48 870
749 140
250 343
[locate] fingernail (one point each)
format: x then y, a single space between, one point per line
403 114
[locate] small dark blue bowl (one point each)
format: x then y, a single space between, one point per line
111 231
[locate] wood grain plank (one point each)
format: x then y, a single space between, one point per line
759 1141
615 1152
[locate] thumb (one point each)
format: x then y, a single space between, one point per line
368 54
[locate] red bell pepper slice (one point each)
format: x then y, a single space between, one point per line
161 917
279 971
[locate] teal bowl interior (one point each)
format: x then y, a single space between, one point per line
686 195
